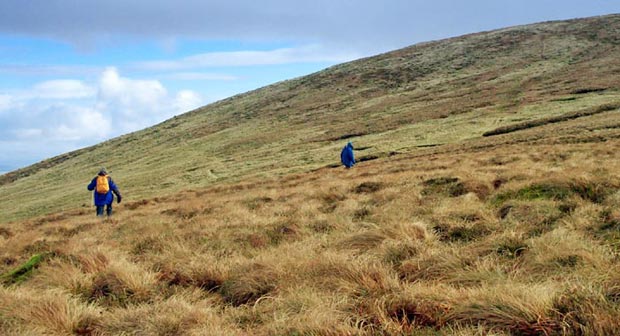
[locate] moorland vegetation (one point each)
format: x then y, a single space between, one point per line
485 202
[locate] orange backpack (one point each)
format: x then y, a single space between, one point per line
103 185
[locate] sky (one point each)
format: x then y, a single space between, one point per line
74 73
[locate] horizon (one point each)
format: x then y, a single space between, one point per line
78 76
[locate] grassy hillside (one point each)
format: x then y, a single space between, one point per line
486 203
428 94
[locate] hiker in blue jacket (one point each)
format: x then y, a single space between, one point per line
346 156
104 190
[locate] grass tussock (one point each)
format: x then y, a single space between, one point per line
204 275
515 309
368 187
447 186
120 287
25 311
183 313
511 246
585 310
248 284
432 265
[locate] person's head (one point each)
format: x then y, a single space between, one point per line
103 172
350 144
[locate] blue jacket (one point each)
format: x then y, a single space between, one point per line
346 156
104 199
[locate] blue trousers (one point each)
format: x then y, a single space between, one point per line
108 209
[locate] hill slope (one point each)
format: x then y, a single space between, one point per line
428 94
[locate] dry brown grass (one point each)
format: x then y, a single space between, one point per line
366 251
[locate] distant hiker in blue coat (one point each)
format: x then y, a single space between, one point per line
104 189
346 156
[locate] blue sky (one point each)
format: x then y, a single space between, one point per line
75 73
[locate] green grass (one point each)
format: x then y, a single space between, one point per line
537 191
446 186
550 120
23 272
594 191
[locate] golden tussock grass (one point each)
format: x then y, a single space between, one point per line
503 240
46 312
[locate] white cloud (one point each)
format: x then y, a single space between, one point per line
63 89
198 76
58 122
305 54
187 100
49 70
56 116
78 123
137 103
60 89
6 101
125 91
28 133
